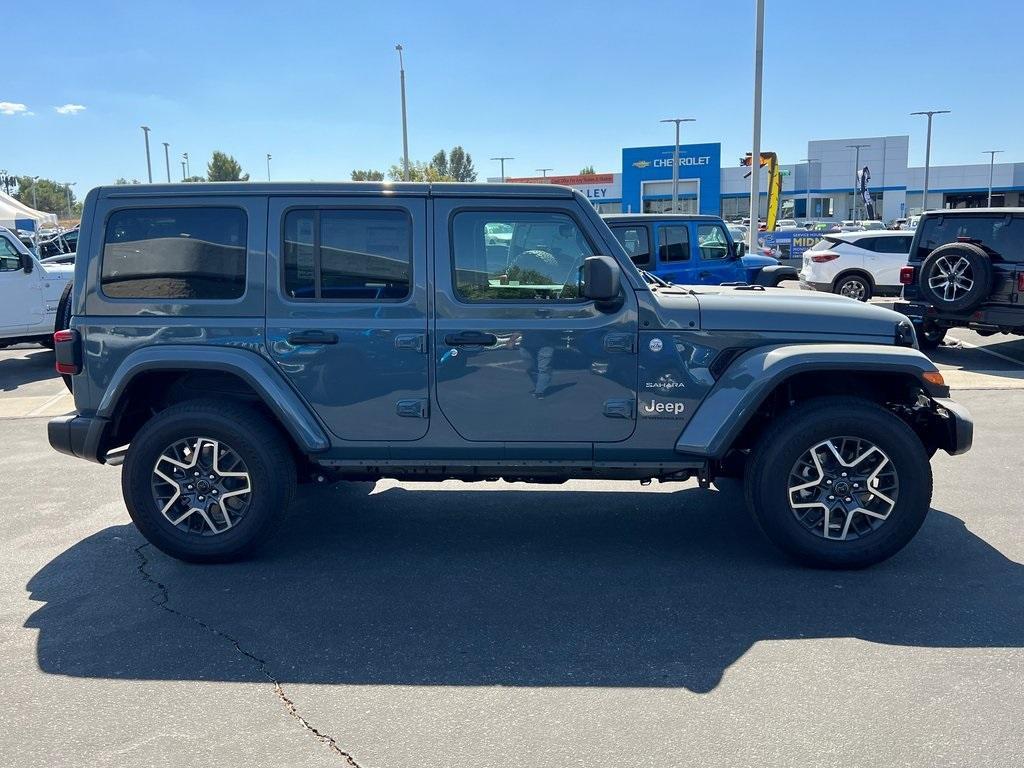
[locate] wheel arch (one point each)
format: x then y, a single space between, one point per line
764 379
854 271
162 375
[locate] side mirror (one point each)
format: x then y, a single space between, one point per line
741 249
601 278
26 263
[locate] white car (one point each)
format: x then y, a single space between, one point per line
871 224
858 265
787 224
30 293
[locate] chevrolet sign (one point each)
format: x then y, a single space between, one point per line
641 164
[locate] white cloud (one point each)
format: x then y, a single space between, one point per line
69 109
13 108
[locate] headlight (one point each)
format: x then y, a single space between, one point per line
905 335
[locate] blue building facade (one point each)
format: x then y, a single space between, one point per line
647 178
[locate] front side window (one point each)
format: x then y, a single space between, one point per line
712 242
355 255
174 253
518 256
10 259
673 243
636 243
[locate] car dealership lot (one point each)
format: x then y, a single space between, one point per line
496 624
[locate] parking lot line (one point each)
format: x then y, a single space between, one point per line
987 351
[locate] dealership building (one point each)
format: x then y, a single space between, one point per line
819 186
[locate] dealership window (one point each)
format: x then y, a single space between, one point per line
517 256
673 243
608 207
735 207
635 241
358 255
174 253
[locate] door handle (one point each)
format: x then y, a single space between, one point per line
312 337
471 339
704 274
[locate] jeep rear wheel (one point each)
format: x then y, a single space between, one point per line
956 277
207 481
839 483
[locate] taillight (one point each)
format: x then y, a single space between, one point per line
823 257
68 352
906 275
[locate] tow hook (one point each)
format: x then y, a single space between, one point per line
704 479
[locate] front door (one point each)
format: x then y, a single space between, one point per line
715 264
20 295
347 310
520 355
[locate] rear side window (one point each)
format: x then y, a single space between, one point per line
635 242
355 255
1003 235
174 253
673 243
899 244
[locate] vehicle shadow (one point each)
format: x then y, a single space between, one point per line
515 588
32 366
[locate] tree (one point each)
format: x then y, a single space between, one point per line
50 196
439 163
121 181
460 165
224 167
587 170
367 175
194 179
418 171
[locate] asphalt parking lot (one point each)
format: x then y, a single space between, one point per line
456 624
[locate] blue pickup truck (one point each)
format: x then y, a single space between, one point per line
693 250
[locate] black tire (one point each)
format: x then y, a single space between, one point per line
264 451
977 269
929 335
791 437
853 287
63 321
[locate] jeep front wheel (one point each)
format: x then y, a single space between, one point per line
207 481
839 483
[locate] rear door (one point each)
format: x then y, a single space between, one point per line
520 356
347 310
889 255
674 253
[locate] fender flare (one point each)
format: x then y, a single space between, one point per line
752 377
773 273
254 369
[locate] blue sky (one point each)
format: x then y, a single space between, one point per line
557 84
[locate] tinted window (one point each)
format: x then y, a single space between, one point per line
507 255
712 242
361 255
175 253
673 243
893 244
9 258
636 242
1003 234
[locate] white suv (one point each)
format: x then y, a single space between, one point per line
857 264
30 293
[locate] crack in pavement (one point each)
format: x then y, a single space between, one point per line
162 599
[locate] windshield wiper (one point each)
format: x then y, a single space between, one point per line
653 279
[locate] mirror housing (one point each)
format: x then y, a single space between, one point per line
601 278
739 249
26 263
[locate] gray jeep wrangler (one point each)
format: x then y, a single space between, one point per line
229 340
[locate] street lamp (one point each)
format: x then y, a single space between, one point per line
183 170
268 166
928 151
167 160
856 170
405 123
675 159
35 180
149 166
991 167
188 167
807 203
755 157
503 159
544 171
67 186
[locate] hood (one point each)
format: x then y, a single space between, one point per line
783 310
753 261
58 271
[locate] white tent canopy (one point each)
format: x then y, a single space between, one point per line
17 215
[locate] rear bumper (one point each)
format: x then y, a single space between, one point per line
79 436
955 426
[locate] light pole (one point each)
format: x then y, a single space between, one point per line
167 160
268 166
928 151
183 170
67 186
405 122
755 157
856 170
35 180
149 166
991 167
188 167
503 159
675 159
807 199
544 171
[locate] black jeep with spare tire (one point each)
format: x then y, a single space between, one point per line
965 270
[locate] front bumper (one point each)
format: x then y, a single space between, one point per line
954 428
79 436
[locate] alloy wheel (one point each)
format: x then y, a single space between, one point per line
843 488
201 486
951 277
853 289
